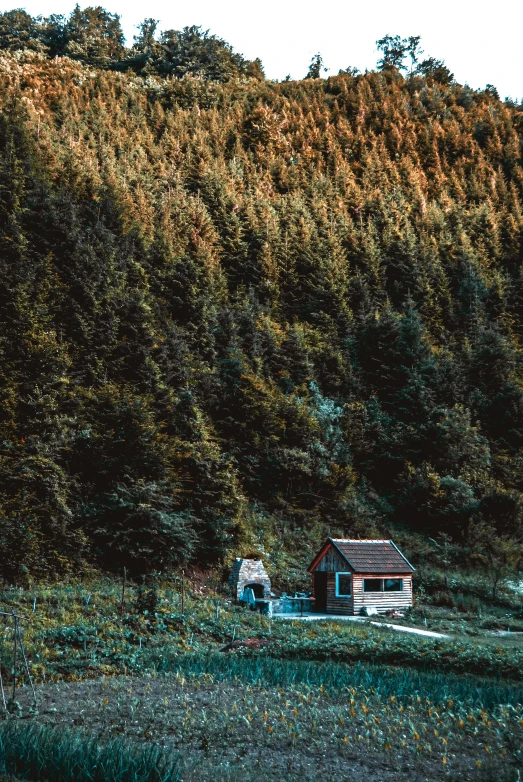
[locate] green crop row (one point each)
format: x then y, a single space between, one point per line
385 681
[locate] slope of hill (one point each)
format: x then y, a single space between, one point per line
242 312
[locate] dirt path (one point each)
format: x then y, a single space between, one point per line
412 630
341 618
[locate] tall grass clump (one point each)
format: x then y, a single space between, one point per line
43 754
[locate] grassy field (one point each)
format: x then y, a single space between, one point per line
79 631
290 700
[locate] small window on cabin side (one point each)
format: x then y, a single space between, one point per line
372 584
393 585
343 585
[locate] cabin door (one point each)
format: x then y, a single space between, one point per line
320 591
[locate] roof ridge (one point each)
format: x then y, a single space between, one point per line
361 540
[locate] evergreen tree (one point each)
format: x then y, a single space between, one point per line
94 36
316 67
393 49
19 31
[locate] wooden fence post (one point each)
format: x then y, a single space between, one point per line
15 650
183 592
18 650
122 601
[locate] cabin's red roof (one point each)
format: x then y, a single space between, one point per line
368 556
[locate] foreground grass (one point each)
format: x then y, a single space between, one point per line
37 753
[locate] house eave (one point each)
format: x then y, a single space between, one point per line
404 557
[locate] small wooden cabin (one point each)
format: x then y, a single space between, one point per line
349 575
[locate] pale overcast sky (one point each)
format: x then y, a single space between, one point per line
480 41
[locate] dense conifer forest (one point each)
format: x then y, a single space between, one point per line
237 314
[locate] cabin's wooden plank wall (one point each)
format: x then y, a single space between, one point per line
338 605
382 600
332 562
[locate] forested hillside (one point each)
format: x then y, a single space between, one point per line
237 314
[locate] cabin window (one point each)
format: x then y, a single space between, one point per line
373 585
393 585
343 585
383 585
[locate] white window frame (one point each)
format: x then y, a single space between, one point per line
346 573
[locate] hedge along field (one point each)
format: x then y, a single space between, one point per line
393 649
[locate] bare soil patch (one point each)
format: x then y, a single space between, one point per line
247 643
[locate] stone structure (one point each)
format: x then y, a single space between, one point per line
251 573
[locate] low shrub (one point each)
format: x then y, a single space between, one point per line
443 599
468 604
445 655
502 623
